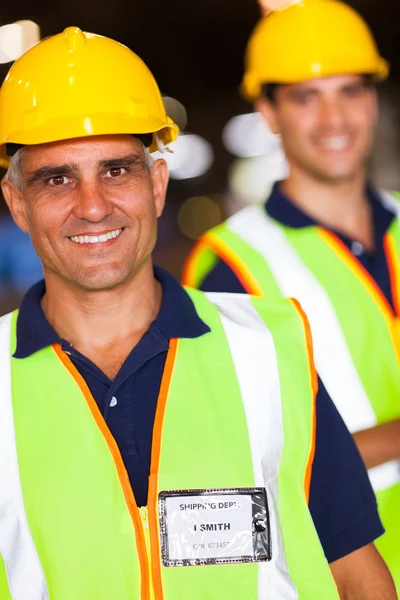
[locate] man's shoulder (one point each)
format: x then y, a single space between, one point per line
244 217
247 309
239 299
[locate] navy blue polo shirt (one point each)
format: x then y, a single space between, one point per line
279 207
342 503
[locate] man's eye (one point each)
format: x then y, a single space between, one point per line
58 181
354 91
303 98
116 172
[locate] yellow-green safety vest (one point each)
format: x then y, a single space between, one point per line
236 410
356 332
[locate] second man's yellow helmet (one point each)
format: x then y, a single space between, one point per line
311 38
78 84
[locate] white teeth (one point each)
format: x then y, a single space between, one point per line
96 239
335 143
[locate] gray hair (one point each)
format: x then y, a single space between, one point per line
14 171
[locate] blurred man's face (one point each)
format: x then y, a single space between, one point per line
90 206
327 125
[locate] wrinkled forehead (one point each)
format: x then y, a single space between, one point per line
83 152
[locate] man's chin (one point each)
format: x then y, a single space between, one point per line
334 175
98 281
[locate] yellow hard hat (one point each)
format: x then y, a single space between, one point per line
78 84
311 38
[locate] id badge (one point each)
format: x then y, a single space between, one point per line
214 526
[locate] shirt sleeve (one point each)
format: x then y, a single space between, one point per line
222 279
342 503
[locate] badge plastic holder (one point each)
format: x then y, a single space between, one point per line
214 526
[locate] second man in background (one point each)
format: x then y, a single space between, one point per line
325 236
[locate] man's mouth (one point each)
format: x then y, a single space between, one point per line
96 239
334 143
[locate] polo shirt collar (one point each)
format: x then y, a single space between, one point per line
177 317
281 208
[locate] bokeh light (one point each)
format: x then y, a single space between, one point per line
191 156
176 111
197 215
248 135
251 179
17 38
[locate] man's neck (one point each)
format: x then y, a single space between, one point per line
342 207
105 325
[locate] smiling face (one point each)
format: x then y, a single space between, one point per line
90 206
327 125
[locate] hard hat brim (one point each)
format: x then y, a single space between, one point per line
84 126
251 86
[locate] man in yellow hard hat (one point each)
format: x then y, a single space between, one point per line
154 442
325 235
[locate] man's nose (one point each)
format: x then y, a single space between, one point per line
332 113
92 203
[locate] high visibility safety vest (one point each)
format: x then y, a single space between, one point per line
355 331
236 410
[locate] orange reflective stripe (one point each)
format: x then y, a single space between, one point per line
119 464
314 391
191 263
369 283
154 469
394 269
234 262
341 249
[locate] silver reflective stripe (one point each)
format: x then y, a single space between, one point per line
332 355
390 202
384 476
253 352
24 572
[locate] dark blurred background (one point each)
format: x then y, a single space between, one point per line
196 54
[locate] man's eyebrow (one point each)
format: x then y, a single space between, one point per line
304 90
122 161
47 172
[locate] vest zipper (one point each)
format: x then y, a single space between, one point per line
144 517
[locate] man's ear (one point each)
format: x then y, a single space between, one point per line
160 178
15 202
268 112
